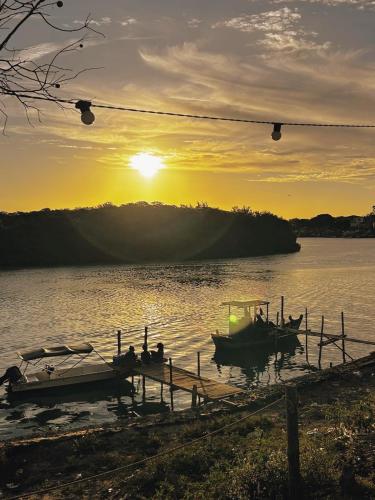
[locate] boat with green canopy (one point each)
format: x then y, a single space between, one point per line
250 325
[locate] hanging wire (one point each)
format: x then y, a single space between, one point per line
192 116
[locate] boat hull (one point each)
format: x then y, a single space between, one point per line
266 338
86 374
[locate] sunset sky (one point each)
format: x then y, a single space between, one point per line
306 60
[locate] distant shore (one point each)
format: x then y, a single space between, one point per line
139 233
326 226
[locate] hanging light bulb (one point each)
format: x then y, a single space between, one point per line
87 116
276 133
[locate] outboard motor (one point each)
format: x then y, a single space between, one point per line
12 375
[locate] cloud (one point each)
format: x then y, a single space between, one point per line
95 22
128 21
360 4
279 28
274 20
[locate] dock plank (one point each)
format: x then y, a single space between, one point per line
185 380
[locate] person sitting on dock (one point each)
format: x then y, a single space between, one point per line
145 355
130 357
158 356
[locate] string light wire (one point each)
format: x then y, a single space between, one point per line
193 116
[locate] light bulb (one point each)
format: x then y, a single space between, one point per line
276 133
87 117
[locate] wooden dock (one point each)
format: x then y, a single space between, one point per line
178 378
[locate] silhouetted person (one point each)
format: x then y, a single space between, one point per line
130 355
145 355
158 356
12 374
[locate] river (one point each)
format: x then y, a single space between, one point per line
182 303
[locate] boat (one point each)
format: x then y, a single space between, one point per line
251 327
52 377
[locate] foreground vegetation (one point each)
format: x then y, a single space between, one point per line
337 443
139 232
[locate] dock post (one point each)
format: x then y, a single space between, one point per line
199 364
306 338
161 391
291 397
146 335
268 311
118 342
343 337
194 397
277 318
282 311
320 343
143 388
171 381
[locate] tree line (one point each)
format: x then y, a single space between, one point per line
139 232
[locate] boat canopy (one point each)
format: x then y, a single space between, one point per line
61 350
246 303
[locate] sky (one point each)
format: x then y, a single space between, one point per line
277 60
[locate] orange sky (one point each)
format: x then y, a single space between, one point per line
270 60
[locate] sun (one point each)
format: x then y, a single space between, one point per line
147 164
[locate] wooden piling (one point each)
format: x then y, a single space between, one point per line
291 397
146 336
118 342
321 343
306 337
171 382
143 388
194 397
277 318
343 337
198 364
268 310
161 391
282 312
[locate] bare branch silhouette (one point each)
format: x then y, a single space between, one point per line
21 76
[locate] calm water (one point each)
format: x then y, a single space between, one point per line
182 302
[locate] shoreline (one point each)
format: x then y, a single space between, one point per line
66 456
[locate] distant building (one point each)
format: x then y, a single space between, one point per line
356 222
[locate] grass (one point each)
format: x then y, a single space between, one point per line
248 461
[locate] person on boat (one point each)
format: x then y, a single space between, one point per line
12 375
145 355
259 320
158 356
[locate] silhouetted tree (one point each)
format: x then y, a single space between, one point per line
21 76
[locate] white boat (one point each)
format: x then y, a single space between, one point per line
21 381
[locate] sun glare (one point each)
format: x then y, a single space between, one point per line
147 164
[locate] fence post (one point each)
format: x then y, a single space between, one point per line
294 478
343 337
171 381
320 343
194 397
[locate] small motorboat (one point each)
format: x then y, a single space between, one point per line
252 327
52 377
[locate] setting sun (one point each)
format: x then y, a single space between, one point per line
146 164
